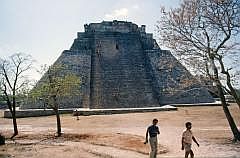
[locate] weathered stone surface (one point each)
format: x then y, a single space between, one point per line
122 66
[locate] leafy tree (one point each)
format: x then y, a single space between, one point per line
14 81
55 85
202 33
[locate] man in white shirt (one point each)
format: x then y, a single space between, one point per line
187 138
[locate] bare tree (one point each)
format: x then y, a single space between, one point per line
202 33
56 84
14 81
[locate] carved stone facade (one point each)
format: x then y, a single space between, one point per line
122 66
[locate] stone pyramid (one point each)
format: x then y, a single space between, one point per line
122 66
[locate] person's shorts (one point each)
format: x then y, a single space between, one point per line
187 147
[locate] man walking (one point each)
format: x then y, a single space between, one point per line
187 138
153 131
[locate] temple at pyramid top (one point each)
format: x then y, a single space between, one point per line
122 66
114 26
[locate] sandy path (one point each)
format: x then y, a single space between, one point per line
209 126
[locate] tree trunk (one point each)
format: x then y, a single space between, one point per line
14 119
229 117
233 91
2 139
59 132
55 108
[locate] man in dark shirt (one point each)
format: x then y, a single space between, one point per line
153 131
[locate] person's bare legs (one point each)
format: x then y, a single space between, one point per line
186 154
191 154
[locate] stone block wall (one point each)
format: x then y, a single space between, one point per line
119 76
173 82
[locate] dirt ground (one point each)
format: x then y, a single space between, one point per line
121 135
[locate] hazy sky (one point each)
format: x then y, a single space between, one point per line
44 28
